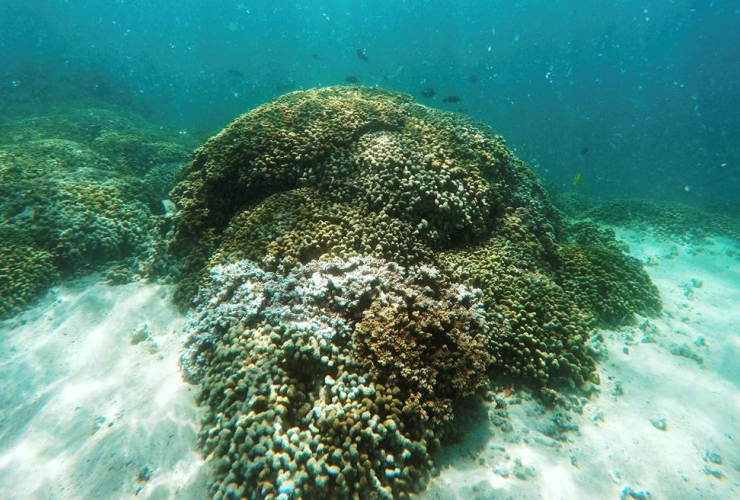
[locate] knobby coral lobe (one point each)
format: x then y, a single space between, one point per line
359 262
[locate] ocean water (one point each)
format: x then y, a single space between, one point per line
650 88
295 250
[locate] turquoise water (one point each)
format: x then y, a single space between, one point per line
329 250
648 88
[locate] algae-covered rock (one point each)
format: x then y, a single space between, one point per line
357 262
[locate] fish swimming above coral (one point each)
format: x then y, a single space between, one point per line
428 93
451 99
284 86
351 79
362 55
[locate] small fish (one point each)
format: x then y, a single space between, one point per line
362 55
473 78
577 179
462 110
584 150
351 79
315 57
428 93
236 73
451 99
282 87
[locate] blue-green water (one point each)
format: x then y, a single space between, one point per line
290 251
640 97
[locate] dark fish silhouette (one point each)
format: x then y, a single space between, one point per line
316 57
236 73
428 93
451 99
282 87
584 150
362 55
462 110
473 78
351 79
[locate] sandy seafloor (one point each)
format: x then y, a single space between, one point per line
92 405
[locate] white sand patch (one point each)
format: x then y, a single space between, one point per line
86 413
87 410
680 372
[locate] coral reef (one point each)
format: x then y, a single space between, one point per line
669 220
602 280
358 262
77 203
308 401
440 175
25 271
301 225
572 204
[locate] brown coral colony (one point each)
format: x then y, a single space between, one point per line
357 262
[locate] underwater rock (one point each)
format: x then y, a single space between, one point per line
659 423
522 471
358 262
685 351
628 492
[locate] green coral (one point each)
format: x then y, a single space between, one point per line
302 225
79 203
442 175
607 282
26 271
670 220
66 199
541 335
136 153
572 204
162 177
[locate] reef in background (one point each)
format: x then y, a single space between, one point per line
81 189
358 262
669 220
